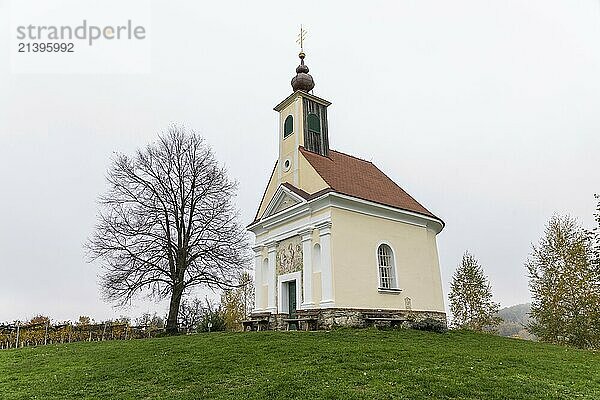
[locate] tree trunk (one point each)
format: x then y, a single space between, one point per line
172 327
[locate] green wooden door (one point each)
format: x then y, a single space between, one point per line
292 298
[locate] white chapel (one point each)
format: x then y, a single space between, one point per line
338 243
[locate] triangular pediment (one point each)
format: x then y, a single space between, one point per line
283 199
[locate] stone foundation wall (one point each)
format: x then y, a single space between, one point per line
331 318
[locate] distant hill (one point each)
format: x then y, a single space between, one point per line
515 319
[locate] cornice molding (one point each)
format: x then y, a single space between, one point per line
345 202
299 93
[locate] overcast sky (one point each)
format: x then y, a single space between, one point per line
486 112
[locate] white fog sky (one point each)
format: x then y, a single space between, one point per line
487 112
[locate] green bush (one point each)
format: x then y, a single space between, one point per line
430 325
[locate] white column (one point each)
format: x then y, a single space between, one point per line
327 299
307 269
271 305
258 279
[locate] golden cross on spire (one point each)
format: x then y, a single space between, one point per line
301 37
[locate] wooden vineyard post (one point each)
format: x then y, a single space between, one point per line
46 333
18 331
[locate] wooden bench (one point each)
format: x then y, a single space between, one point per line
258 322
394 321
255 324
310 323
248 325
310 318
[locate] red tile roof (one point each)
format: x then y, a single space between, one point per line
299 192
362 179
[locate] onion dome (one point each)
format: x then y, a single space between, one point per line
302 80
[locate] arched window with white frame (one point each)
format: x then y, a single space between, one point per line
386 265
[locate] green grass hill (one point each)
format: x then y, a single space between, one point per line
342 364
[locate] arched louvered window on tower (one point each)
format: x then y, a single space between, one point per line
314 139
314 124
288 126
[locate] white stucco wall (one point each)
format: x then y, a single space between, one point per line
355 238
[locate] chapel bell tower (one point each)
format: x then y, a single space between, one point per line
302 122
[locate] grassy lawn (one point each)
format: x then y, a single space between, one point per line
343 364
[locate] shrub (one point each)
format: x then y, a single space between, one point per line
430 325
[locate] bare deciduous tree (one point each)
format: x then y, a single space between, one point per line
167 223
